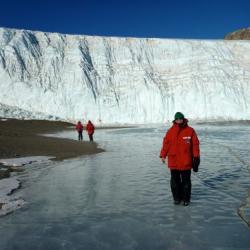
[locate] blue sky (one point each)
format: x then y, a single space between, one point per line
164 19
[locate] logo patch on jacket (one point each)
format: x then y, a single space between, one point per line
187 139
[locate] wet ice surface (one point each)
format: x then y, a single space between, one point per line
121 199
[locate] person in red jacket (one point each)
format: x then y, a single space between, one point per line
90 129
181 146
79 128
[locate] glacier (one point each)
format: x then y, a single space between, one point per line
122 80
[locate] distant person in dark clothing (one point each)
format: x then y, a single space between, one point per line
181 146
79 128
90 128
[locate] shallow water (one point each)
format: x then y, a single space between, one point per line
121 199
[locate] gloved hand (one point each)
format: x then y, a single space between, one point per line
162 160
196 163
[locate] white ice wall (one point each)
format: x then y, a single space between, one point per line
125 80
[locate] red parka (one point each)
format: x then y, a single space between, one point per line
90 128
180 145
79 127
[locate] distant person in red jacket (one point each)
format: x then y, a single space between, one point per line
79 128
181 146
90 129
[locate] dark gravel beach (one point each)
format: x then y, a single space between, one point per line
19 138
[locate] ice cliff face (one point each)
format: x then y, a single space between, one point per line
124 80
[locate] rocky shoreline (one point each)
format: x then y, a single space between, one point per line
19 138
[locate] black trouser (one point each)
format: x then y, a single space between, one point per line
91 137
80 135
181 184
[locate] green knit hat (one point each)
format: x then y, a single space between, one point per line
178 115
